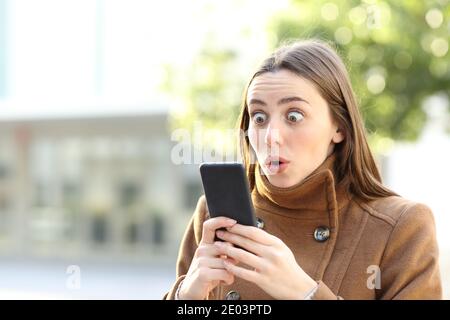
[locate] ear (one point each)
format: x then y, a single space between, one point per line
338 136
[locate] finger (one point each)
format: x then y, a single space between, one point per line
217 275
241 255
213 263
243 273
230 259
207 250
253 233
243 242
224 256
211 225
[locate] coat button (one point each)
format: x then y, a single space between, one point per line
321 234
260 223
233 295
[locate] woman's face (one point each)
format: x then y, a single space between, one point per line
291 129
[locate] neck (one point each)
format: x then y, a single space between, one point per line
319 191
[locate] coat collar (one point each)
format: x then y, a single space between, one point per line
317 192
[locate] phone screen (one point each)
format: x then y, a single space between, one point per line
227 192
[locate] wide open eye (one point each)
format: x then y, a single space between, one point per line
259 117
294 116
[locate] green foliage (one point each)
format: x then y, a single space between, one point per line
210 94
396 52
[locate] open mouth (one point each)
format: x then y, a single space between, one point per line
276 165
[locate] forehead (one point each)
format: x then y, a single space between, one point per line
280 83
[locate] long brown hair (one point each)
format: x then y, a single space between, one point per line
319 63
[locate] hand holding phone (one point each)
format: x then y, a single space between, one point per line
227 192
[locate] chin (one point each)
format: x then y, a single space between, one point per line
281 182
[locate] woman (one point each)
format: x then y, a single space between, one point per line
328 228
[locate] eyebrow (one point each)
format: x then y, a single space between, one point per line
281 101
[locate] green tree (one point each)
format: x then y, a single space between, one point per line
209 92
396 53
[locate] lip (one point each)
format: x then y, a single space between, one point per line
276 169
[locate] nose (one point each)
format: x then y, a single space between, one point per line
272 136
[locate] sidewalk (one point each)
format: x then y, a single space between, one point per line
48 280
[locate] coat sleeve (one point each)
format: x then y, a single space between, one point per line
189 244
324 293
410 266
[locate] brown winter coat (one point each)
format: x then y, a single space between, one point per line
392 234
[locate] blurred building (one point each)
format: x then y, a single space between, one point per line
93 187
85 166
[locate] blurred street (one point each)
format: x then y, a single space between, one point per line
20 279
107 109
34 279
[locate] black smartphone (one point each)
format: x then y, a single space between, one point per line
227 192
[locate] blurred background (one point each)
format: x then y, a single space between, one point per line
92 203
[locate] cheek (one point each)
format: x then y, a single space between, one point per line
299 139
310 136
314 137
